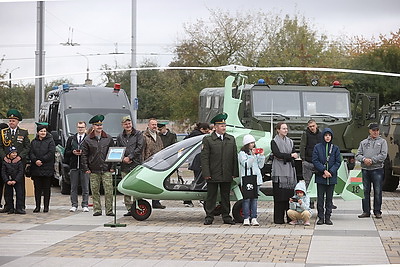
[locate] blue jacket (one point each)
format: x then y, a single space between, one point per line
319 160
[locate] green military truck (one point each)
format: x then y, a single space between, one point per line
390 131
263 106
68 104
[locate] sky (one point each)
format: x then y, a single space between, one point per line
102 28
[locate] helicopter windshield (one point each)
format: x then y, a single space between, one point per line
167 157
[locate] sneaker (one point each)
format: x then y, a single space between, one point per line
378 215
307 223
293 222
72 209
85 209
189 205
364 215
254 222
246 222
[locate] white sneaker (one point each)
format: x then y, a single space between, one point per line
246 222
72 209
85 209
254 222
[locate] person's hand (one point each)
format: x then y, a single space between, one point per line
300 201
38 163
290 200
88 171
327 174
207 178
77 152
9 182
294 155
127 160
368 161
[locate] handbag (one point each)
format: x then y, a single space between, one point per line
249 184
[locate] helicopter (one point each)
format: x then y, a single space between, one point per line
168 174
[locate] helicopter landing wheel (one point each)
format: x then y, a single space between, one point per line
237 211
142 211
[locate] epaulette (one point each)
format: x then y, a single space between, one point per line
23 129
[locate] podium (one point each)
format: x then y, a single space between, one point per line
115 155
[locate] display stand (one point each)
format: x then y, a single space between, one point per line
115 155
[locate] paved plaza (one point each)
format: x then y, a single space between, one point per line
176 237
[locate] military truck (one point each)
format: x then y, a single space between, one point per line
68 104
390 131
263 106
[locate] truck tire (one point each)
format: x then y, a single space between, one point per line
390 182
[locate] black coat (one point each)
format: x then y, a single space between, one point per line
12 171
43 150
70 158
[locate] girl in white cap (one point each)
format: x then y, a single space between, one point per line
252 159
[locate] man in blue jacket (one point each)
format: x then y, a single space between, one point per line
326 159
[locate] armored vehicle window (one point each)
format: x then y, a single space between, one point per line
216 101
285 103
167 157
330 103
396 121
208 101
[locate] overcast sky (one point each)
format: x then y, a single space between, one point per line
98 25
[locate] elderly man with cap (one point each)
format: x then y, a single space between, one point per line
168 138
219 162
17 137
132 139
372 153
94 152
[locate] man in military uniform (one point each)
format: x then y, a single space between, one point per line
17 137
94 152
220 165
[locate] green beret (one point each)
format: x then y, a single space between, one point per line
14 114
220 118
98 119
42 123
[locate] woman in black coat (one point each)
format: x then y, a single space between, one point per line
42 165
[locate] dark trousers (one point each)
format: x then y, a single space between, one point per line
324 192
42 186
9 196
280 209
211 200
374 177
1 189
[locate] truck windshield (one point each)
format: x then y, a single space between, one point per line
334 104
111 123
300 104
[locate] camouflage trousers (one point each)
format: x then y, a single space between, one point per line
95 181
127 199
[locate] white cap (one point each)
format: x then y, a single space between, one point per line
248 138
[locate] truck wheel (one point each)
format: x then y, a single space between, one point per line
390 182
143 212
237 211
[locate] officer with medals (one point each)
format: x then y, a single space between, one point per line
17 137
220 165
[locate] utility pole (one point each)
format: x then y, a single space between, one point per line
134 99
39 58
87 81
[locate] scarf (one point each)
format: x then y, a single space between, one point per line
283 172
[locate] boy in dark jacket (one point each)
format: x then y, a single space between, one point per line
12 174
326 159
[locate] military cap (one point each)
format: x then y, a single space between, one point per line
162 124
220 118
41 125
126 118
14 114
373 126
98 119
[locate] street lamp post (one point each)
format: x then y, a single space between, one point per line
9 75
87 81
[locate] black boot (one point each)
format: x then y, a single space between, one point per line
37 209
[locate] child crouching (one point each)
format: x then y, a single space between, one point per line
299 205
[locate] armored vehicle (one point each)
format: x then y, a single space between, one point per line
390 131
263 106
66 105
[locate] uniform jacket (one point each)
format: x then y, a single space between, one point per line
168 139
150 147
134 148
44 151
20 141
219 158
375 149
194 133
305 199
70 158
320 155
253 162
94 152
12 172
308 141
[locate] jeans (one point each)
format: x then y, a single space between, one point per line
324 191
249 207
376 178
77 176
